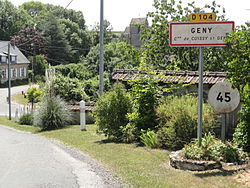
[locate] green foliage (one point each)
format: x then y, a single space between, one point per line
129 133
110 112
178 121
238 57
149 139
60 50
53 113
107 33
78 71
144 94
117 55
26 119
34 95
39 65
242 132
11 20
157 52
69 89
213 149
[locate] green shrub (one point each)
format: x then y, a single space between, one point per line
213 149
110 112
53 113
26 119
149 139
242 132
129 133
178 121
144 94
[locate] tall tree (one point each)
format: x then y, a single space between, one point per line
58 49
11 20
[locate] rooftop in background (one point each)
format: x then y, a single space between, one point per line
21 59
141 21
172 76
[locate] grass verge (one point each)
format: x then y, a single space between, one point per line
138 166
19 99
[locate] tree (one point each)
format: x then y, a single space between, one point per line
107 33
33 95
36 10
239 72
58 49
157 52
11 20
30 41
78 38
117 55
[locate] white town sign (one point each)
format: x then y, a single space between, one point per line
199 33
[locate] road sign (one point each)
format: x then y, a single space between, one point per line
223 98
199 33
202 17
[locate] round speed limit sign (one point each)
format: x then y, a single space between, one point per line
223 98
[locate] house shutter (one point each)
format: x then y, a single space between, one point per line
20 72
7 73
24 70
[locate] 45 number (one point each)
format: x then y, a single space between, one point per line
226 97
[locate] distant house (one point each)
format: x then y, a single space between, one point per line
132 32
18 63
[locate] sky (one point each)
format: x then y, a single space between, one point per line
120 12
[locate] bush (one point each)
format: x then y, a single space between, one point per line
242 133
144 94
53 113
26 119
213 149
178 121
149 139
110 112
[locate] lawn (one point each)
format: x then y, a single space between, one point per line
19 98
138 166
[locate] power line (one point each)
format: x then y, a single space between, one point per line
31 53
68 4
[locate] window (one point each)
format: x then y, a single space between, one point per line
11 72
25 71
3 74
3 59
13 58
21 72
14 73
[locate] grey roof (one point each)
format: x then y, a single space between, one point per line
141 21
21 59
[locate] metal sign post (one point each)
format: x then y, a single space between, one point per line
200 95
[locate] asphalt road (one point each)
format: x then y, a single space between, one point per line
32 161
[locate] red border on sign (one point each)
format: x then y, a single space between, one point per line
192 23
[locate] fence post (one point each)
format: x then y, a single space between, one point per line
82 116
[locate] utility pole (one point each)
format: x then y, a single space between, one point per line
9 79
101 66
